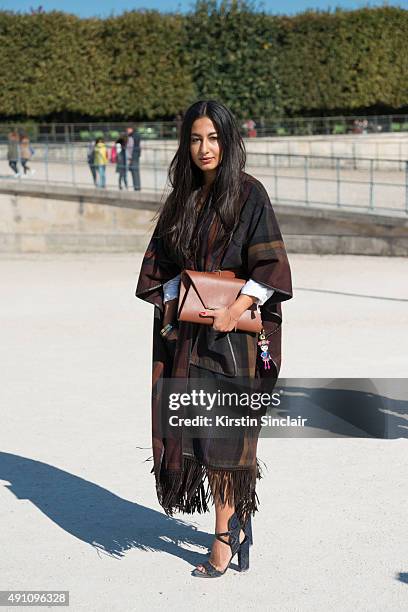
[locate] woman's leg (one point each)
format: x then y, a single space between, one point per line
122 178
221 553
221 481
13 165
102 174
93 172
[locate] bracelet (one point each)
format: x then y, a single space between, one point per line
167 329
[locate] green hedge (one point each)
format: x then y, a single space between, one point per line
344 60
146 65
232 54
128 66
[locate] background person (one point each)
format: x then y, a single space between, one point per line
100 161
133 150
121 161
26 153
90 157
13 152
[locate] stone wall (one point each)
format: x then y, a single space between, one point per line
45 218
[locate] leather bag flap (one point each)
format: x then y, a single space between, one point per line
209 290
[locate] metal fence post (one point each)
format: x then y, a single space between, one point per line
155 169
71 155
338 184
406 186
46 161
306 179
275 176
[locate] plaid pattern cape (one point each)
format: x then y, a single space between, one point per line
229 466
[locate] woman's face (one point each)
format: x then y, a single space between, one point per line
205 149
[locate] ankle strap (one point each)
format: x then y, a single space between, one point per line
233 519
225 533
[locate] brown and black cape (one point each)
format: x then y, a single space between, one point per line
183 466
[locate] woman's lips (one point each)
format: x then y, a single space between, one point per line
206 161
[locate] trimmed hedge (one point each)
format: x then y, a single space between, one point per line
344 60
54 63
147 65
232 54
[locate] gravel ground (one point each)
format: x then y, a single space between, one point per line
77 501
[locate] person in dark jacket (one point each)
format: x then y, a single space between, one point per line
13 152
90 156
133 150
121 161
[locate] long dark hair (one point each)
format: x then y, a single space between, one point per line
179 217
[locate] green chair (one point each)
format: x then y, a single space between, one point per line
339 128
98 134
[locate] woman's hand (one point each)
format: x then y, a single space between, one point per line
226 319
223 320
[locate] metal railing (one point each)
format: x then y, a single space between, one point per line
168 130
358 184
342 183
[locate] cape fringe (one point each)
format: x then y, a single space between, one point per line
185 491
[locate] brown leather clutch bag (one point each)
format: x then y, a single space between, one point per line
211 290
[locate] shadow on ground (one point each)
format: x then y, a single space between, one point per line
96 516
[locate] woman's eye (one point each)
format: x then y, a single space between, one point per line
193 140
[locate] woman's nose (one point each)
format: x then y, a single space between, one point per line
204 147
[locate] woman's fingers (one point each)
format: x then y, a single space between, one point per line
209 312
206 313
222 322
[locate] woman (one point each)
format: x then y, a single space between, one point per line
13 152
90 158
121 162
216 217
26 153
100 161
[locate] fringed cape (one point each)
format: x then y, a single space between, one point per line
255 251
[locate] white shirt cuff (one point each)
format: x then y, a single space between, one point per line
171 288
258 290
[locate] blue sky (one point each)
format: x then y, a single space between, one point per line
103 8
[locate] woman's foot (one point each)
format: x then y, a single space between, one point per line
220 553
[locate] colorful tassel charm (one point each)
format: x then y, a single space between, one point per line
264 348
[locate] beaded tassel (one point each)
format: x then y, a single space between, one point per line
264 348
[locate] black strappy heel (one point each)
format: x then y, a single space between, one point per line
243 552
234 529
247 527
